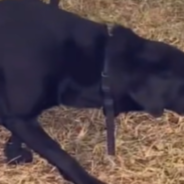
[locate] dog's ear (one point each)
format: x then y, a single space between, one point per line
126 39
153 52
123 46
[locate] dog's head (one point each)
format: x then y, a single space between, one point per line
142 69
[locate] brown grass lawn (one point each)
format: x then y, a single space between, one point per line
149 151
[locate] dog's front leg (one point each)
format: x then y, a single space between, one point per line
36 138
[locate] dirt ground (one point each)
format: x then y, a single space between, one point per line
149 151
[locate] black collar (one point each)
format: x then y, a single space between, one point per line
108 106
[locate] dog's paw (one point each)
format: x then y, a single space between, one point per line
17 155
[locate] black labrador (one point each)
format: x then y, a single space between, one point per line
42 47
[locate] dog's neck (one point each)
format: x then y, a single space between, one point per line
74 92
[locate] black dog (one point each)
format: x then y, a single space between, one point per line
150 72
42 46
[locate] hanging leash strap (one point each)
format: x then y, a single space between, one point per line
108 111
108 107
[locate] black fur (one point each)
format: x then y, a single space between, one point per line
46 53
40 46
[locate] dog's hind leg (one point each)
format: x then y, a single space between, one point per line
15 152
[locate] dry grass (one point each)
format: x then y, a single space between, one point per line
149 151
